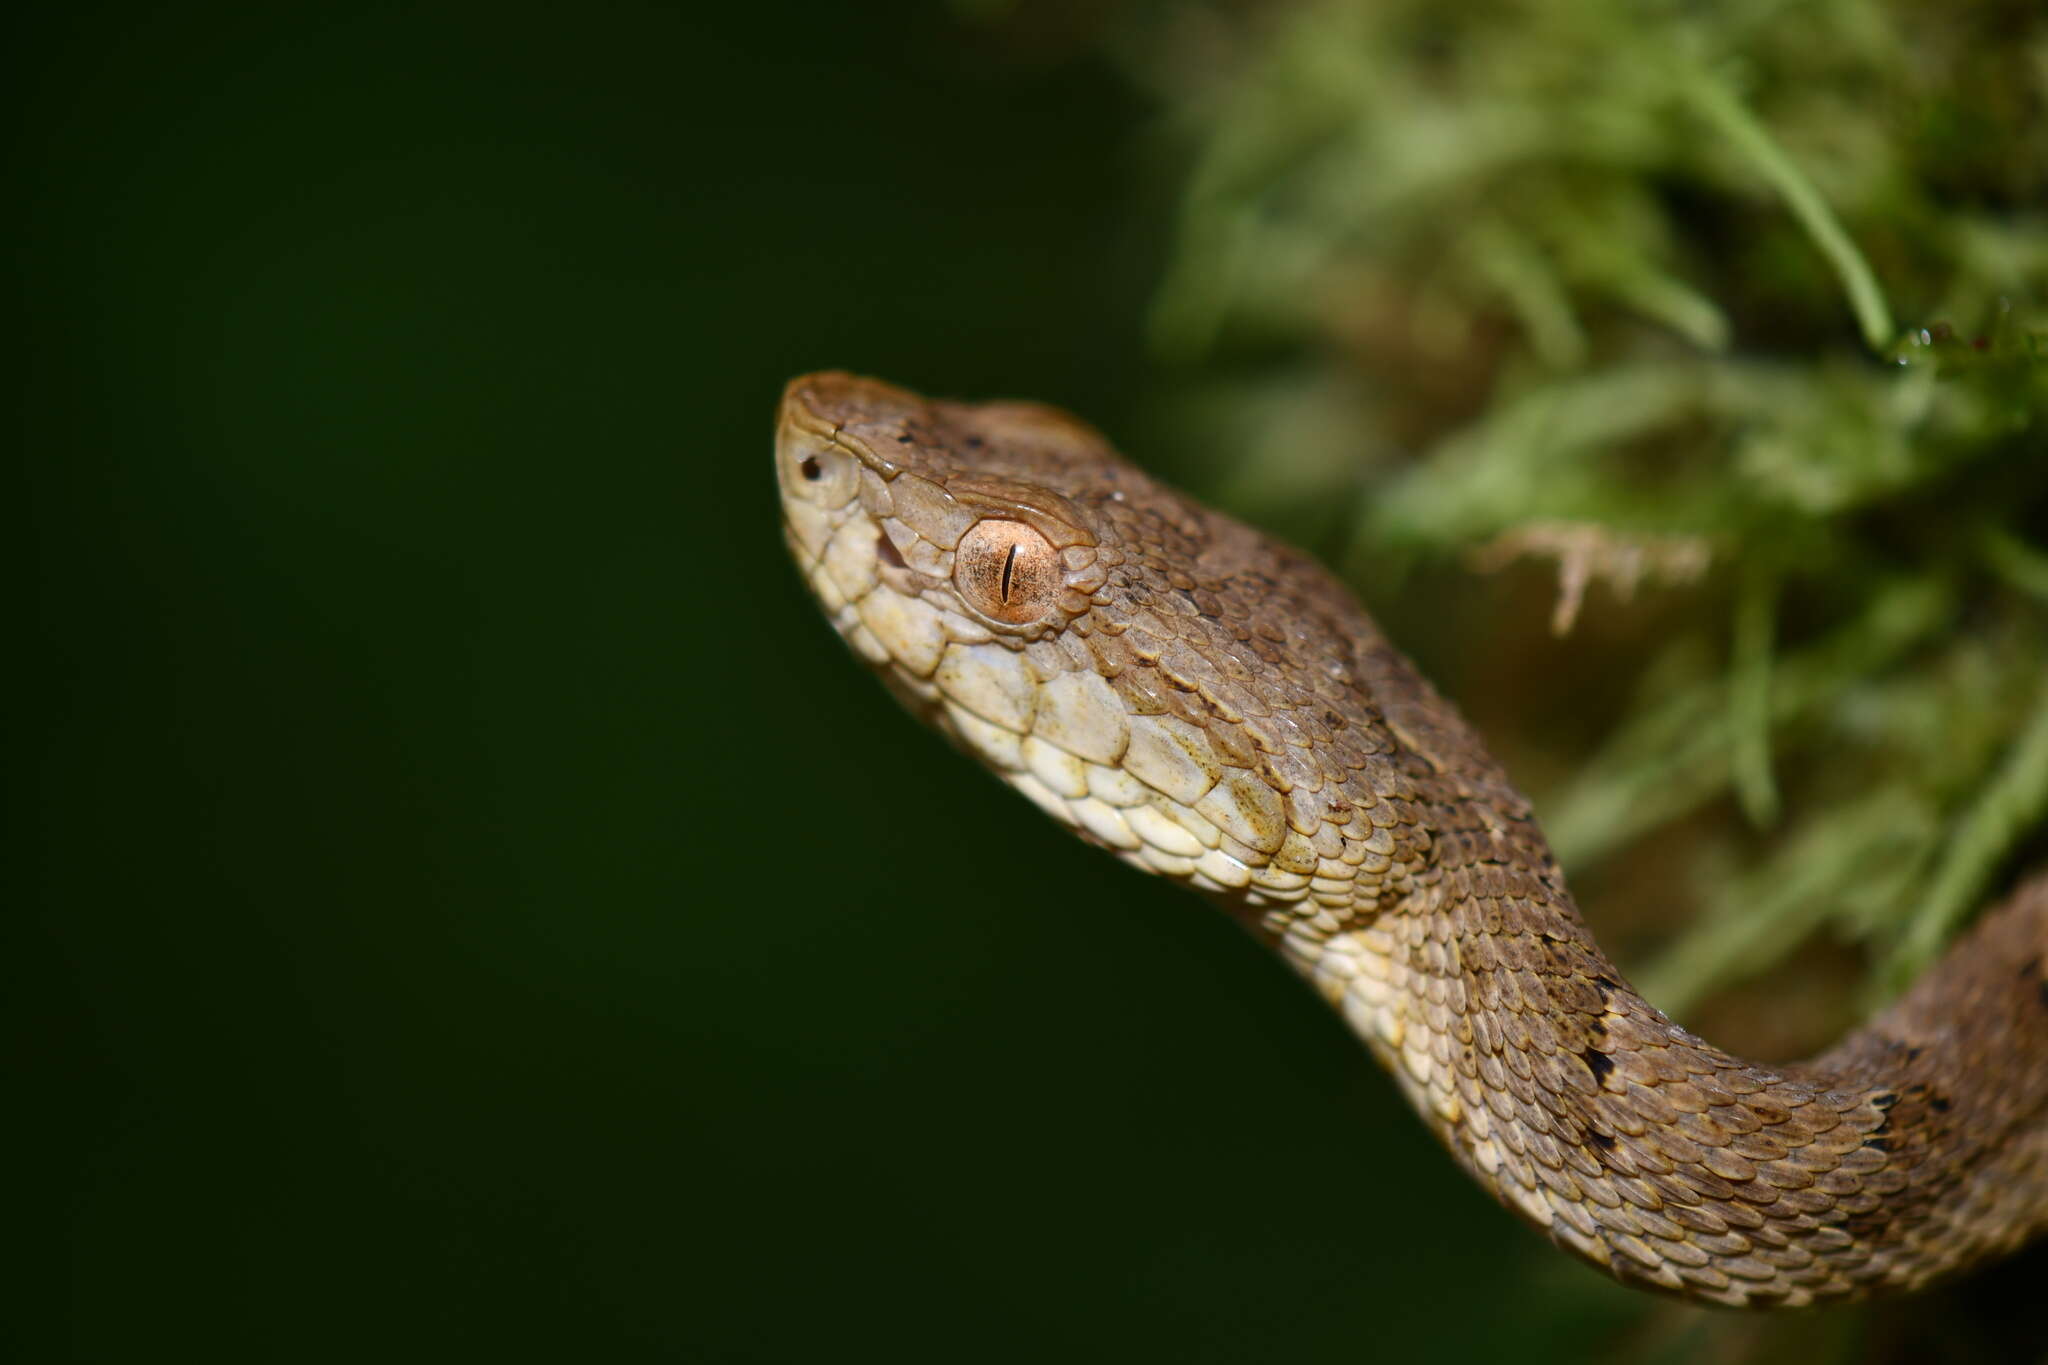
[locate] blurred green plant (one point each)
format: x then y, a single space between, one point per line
1616 282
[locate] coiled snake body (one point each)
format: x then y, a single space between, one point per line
1214 707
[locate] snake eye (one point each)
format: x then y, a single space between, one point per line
1006 570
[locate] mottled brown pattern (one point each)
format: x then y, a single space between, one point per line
1327 795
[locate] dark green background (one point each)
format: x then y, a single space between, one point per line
477 907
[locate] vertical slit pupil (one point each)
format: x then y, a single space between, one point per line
1009 563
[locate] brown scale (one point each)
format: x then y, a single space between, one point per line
1917 1146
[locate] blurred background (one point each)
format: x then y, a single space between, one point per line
474 906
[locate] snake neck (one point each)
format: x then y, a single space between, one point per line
1918 1145
1900 1155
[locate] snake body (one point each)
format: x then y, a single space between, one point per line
1214 707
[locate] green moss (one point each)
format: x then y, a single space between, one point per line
1641 269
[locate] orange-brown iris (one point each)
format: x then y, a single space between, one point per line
1007 570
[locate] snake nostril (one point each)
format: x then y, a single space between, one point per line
810 468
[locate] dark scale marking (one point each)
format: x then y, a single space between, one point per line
1600 1141
1880 1136
1597 1062
886 551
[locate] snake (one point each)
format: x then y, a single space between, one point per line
1212 706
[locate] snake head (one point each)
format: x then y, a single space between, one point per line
1164 681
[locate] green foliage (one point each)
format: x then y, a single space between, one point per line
1633 268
